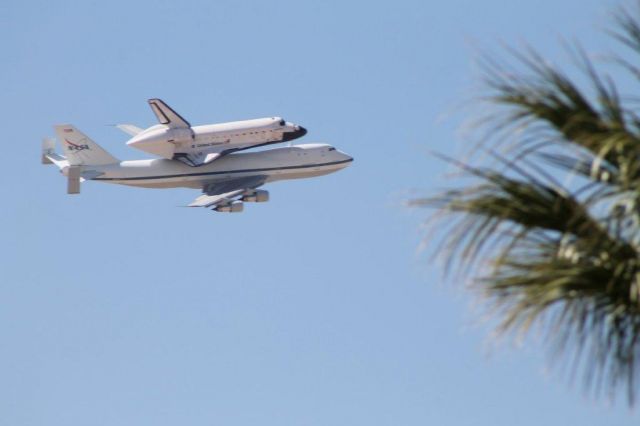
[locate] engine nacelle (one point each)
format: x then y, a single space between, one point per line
235 207
258 196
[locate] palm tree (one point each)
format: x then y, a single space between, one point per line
549 228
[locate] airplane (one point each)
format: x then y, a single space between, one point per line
226 183
175 139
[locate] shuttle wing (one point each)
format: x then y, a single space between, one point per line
166 115
197 159
200 158
216 194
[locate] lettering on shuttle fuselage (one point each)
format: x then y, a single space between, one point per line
204 145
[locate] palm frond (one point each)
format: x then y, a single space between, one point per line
549 252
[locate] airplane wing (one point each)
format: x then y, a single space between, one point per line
214 200
224 193
129 129
166 115
249 182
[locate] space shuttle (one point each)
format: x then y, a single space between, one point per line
174 138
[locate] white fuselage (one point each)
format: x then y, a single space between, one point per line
167 141
295 162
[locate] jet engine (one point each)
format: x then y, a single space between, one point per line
235 207
257 196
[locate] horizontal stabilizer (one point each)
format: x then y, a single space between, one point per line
48 148
57 159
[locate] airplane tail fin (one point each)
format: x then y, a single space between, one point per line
80 149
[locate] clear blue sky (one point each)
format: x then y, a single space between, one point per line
118 308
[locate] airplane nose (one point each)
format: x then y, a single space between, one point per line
300 131
346 157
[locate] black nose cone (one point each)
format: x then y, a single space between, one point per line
298 133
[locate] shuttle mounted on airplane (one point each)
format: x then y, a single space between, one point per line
200 157
175 139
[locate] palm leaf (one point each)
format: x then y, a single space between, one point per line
564 258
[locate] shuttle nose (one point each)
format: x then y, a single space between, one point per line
298 132
301 131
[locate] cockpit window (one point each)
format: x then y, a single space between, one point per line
282 122
332 149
